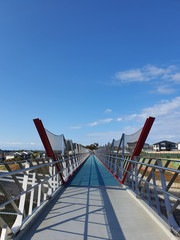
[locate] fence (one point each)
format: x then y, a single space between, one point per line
153 181
26 186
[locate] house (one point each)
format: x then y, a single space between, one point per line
178 146
165 146
10 156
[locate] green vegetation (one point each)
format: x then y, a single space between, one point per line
92 146
35 155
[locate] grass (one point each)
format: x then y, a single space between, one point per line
168 175
13 167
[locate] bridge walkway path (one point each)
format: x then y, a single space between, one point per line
94 206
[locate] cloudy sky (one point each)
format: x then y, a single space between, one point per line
91 70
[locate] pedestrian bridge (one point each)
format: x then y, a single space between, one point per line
94 205
82 194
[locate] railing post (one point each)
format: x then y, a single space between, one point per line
171 219
136 176
115 165
6 231
156 194
19 218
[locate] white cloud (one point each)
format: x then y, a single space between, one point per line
165 89
103 121
76 127
108 110
20 145
154 72
119 119
134 75
131 117
165 127
108 120
176 78
167 120
93 124
105 137
164 108
163 77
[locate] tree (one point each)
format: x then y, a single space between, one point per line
92 146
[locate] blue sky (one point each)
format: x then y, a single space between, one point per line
88 69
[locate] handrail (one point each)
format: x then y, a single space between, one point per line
34 167
33 184
159 194
146 164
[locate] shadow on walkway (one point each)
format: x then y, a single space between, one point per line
81 211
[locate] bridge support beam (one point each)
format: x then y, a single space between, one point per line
44 138
141 141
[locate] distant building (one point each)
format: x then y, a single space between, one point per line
178 146
20 154
10 156
2 158
42 155
165 146
26 154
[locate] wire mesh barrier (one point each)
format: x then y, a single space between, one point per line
58 142
154 181
26 189
125 145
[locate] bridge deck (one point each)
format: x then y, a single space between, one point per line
94 206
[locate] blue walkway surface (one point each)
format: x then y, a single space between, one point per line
93 173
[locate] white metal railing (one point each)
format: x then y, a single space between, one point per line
156 181
26 186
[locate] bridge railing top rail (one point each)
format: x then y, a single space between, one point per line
32 183
137 162
23 160
154 180
141 157
25 169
